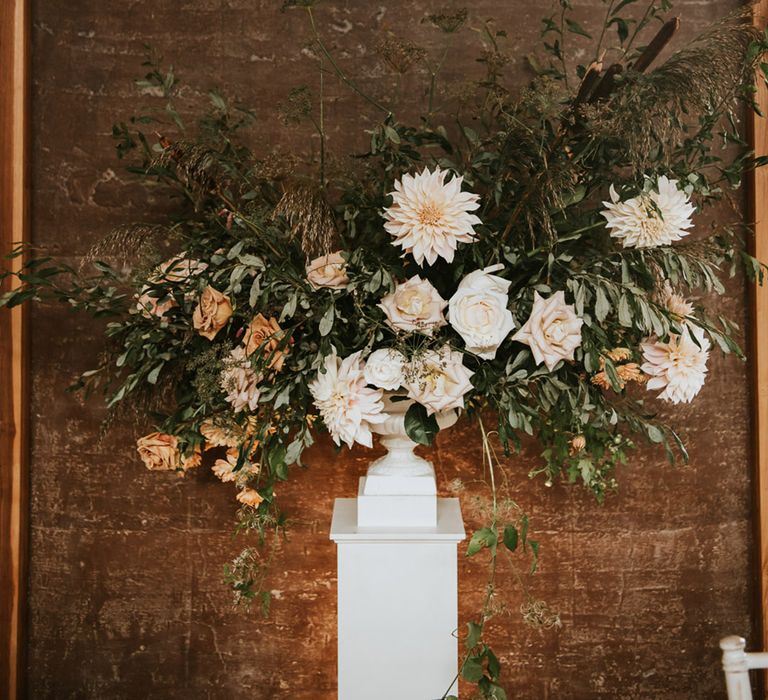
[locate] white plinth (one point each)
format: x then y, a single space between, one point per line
406 510
397 605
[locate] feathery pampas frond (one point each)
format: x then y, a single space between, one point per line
309 216
650 109
125 246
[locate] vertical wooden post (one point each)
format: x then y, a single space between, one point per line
14 89
758 211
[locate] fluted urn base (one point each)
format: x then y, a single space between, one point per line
399 489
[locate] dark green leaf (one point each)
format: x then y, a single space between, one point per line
485 537
511 537
472 670
474 631
576 28
420 427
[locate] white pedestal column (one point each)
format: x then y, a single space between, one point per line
397 601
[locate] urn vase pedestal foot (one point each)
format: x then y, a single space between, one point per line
397 601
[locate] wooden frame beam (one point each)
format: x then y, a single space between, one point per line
758 212
14 100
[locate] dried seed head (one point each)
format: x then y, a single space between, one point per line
297 106
125 246
537 613
399 55
449 20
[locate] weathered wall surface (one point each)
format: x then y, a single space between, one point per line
126 599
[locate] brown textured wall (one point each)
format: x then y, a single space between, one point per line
126 599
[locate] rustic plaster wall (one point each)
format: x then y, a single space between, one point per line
126 599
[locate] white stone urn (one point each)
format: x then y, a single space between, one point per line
401 472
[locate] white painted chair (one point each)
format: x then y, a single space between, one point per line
737 664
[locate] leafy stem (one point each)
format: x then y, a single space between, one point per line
603 29
337 70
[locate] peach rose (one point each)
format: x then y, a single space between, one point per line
212 313
159 451
328 271
578 444
151 305
180 268
250 497
265 334
192 459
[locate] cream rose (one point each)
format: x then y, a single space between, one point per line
478 311
553 330
159 451
438 380
265 335
212 313
384 369
328 271
415 305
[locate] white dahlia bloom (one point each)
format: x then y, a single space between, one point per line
438 380
239 381
430 217
478 311
347 406
384 368
651 219
679 366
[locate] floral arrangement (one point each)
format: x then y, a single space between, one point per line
529 257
